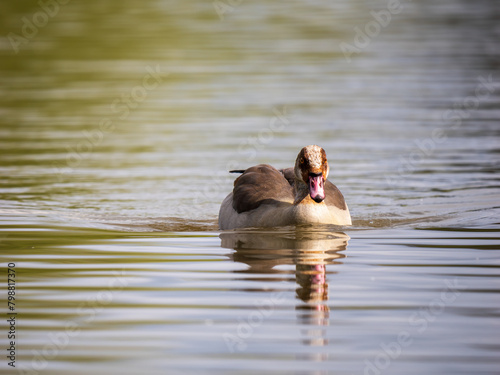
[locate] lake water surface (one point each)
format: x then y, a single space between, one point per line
119 121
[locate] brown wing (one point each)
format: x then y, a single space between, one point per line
289 175
333 196
261 184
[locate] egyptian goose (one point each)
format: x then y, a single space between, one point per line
266 197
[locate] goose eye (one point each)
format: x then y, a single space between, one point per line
302 161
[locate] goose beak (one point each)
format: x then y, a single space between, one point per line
316 187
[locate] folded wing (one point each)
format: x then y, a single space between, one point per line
261 184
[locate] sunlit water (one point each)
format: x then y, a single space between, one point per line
118 124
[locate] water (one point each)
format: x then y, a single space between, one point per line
118 122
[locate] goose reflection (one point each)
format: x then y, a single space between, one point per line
310 252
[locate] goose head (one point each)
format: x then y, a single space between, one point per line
311 168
